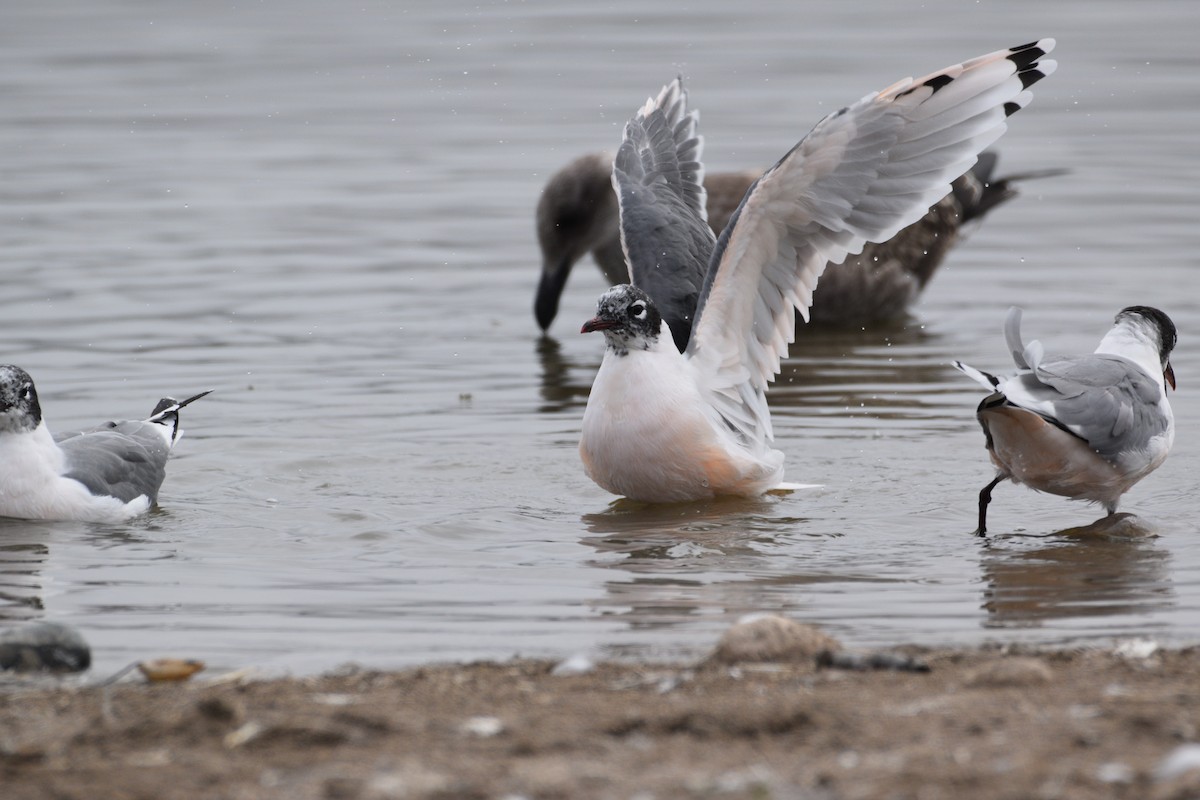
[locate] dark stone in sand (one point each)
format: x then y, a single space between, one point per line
44 646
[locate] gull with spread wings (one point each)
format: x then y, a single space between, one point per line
665 426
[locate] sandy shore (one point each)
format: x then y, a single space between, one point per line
979 724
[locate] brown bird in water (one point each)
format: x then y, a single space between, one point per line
578 214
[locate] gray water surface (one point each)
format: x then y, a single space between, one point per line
324 212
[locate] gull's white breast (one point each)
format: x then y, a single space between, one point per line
649 434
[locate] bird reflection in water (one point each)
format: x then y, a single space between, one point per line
559 391
730 527
1108 568
21 583
679 563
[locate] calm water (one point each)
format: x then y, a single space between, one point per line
324 213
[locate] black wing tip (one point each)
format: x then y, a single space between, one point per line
1025 58
937 82
1030 76
1024 55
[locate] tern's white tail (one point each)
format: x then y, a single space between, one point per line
984 379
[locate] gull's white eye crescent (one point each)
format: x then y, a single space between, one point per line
26 392
638 310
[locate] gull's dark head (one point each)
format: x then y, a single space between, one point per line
628 319
1161 330
577 213
19 408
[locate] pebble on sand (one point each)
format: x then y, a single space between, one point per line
1016 671
769 638
44 646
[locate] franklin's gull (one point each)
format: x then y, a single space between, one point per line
1087 427
104 474
661 426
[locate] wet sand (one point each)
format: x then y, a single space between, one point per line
987 723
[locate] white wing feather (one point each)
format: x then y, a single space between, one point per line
860 175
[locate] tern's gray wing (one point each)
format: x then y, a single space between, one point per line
1107 400
124 460
861 174
659 182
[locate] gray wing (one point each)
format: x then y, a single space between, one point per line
124 460
1106 400
659 182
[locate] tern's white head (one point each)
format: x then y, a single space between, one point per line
628 319
1153 327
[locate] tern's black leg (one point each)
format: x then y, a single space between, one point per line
985 497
